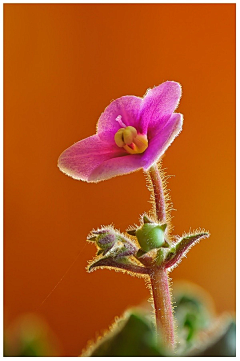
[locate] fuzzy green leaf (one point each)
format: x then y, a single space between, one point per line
132 336
180 248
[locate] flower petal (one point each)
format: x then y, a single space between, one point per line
116 166
161 140
159 103
127 106
80 160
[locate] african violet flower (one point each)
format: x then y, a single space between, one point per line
132 133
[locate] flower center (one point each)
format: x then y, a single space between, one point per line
129 139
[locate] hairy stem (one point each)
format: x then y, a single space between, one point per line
159 276
163 307
157 184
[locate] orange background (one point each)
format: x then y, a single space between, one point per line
63 64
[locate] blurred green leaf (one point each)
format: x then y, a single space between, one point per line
199 331
220 344
192 316
132 336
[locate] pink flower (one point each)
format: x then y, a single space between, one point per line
132 133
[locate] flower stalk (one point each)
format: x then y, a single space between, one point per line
160 207
159 275
163 307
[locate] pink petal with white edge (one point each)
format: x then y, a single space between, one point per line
159 103
162 140
127 106
82 158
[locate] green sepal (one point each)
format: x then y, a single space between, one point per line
161 256
164 226
92 238
140 253
132 232
100 251
146 219
166 244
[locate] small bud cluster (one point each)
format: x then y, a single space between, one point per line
115 250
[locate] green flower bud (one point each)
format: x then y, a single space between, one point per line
151 235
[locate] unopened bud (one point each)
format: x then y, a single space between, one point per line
112 244
151 235
105 239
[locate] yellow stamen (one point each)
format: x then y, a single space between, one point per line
130 140
129 134
119 138
139 144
